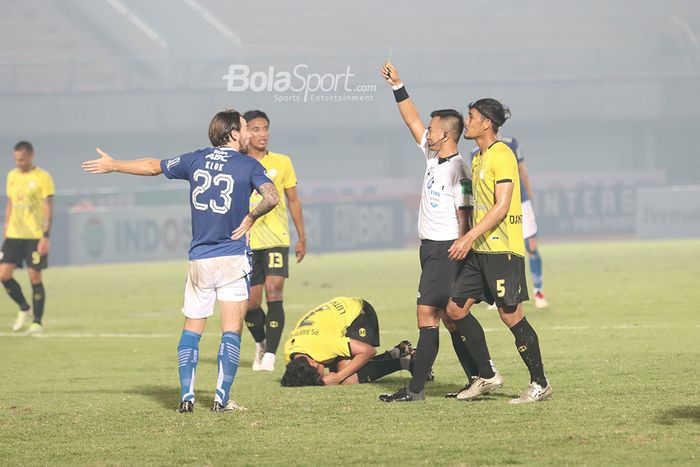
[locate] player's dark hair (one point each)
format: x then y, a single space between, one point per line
299 372
24 146
221 126
493 110
253 114
452 120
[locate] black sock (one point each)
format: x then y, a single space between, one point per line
255 320
275 325
426 352
38 300
376 368
528 346
465 358
475 341
15 292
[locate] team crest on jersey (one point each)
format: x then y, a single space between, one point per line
481 174
430 183
272 173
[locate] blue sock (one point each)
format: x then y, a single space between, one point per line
536 269
187 355
229 354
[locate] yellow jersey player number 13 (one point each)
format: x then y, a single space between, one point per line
269 240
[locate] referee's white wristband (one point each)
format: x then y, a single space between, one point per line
397 87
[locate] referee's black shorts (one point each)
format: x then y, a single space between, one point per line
437 273
491 277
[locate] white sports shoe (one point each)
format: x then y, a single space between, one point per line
540 300
230 406
268 362
259 351
23 317
480 387
534 393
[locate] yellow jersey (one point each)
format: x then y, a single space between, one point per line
27 191
272 229
320 333
497 165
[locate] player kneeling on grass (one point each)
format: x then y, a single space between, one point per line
221 180
340 335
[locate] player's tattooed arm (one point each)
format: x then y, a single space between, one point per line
269 201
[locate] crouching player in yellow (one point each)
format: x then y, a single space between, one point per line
340 335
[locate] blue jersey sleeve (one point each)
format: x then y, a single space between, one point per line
259 176
177 167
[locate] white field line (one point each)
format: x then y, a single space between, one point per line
128 335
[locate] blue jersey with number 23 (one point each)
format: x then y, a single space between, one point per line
221 182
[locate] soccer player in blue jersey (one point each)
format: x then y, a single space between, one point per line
529 221
221 179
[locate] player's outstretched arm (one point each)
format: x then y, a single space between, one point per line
406 106
106 164
269 201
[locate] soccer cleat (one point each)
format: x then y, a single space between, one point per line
259 352
231 406
403 395
534 393
186 407
35 329
268 362
540 300
480 387
401 350
23 318
453 395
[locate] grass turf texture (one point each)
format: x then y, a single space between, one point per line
620 345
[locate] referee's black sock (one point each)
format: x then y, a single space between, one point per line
475 341
15 292
528 346
255 321
38 300
275 325
465 358
426 352
376 368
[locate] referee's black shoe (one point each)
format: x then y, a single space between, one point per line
186 407
403 395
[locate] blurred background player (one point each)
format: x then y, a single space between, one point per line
529 221
340 335
494 257
28 213
269 240
443 216
221 181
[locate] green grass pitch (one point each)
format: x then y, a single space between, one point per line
620 345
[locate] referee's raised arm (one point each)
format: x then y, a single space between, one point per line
406 107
